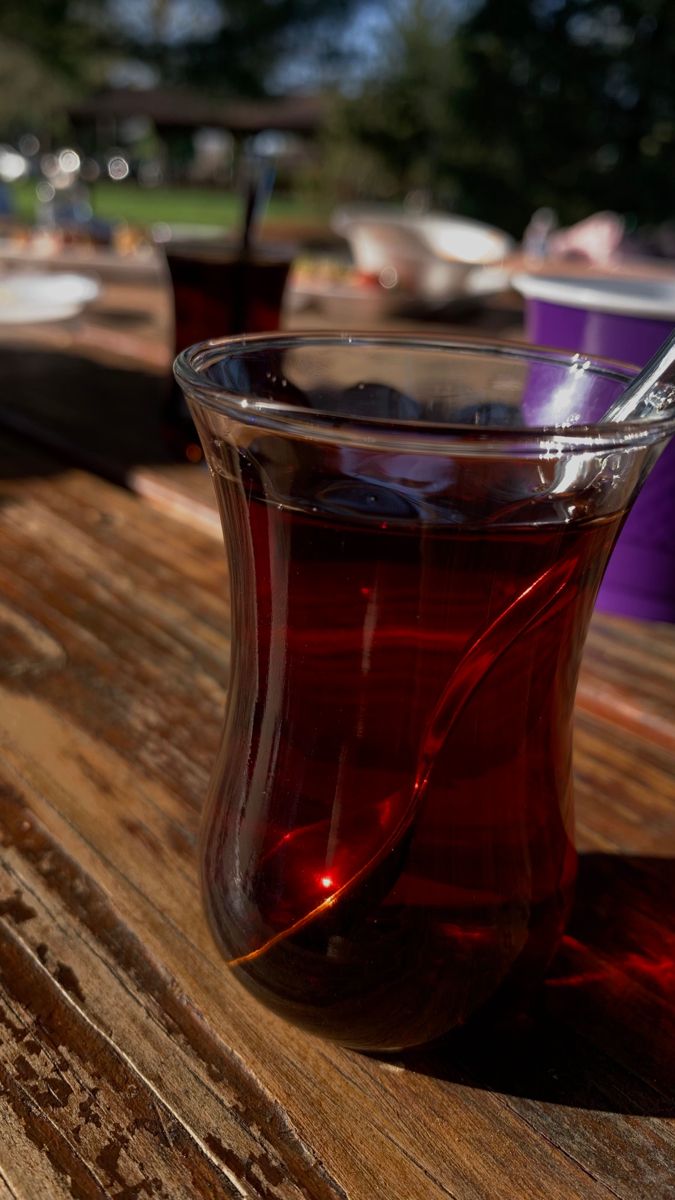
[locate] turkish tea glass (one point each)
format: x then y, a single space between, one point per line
416 531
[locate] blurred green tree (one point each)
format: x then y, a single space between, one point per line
574 101
397 133
49 50
233 47
503 108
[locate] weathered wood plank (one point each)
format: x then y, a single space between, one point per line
628 677
27 1169
182 490
118 1115
112 682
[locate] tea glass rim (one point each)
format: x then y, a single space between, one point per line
395 434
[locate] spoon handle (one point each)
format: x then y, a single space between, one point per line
660 370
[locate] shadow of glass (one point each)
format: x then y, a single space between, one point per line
102 417
21 460
600 1033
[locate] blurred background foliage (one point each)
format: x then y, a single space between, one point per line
489 107
567 103
49 51
230 47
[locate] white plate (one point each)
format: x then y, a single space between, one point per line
30 297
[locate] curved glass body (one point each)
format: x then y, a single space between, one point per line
416 533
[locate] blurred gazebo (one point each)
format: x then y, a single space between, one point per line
100 120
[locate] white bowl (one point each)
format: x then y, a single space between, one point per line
433 255
33 296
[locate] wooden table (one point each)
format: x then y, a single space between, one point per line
92 389
131 1064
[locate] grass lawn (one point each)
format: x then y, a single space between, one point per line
193 206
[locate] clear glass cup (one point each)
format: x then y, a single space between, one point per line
416 532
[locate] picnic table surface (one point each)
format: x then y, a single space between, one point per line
131 1062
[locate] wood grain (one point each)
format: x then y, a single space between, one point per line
132 1065
628 677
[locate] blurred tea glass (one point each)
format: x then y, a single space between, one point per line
218 290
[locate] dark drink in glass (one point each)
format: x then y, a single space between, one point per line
217 290
389 843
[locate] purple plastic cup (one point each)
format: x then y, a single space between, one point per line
626 320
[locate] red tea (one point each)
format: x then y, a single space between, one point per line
397 846
217 290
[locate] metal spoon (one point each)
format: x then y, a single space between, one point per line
641 399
